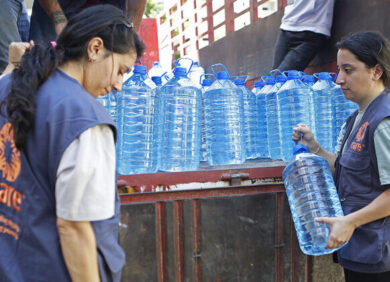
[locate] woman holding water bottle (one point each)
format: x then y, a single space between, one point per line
362 159
59 208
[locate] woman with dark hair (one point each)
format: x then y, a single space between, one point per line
362 160
59 209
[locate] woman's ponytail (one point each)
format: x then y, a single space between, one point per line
36 66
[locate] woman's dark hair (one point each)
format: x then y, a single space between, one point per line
104 21
371 48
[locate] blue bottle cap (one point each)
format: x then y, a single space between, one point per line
258 83
207 82
293 74
281 79
157 80
222 75
239 81
140 69
324 76
180 71
270 80
308 78
300 148
156 63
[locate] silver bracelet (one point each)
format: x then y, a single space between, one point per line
318 149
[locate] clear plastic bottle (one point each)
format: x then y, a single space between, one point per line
206 83
195 74
311 193
137 125
293 108
104 100
342 108
224 121
250 119
261 109
181 138
322 105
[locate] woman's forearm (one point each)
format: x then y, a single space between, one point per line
78 246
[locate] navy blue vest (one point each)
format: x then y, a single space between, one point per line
357 180
29 241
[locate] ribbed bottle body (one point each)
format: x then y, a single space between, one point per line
273 125
293 100
342 109
224 122
181 134
311 193
250 123
203 151
323 114
137 122
112 96
262 120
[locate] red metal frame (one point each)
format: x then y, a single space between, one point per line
149 182
161 241
178 229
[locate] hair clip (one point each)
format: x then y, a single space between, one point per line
53 44
127 24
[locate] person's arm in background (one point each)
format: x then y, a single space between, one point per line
15 53
78 245
135 10
55 12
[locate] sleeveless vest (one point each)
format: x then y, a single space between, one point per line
358 184
29 240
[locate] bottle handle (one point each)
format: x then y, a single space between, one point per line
277 71
243 77
184 58
216 65
204 76
334 77
316 75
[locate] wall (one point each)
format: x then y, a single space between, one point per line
250 50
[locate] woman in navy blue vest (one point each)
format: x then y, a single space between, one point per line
362 160
59 208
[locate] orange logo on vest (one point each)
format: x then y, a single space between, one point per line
9 167
361 132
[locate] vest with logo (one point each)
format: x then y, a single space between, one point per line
358 184
29 240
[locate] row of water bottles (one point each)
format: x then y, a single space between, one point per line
292 97
175 120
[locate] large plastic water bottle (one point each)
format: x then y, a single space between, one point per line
195 74
158 71
311 193
293 108
206 83
341 109
261 105
322 104
224 120
137 125
181 138
250 119
273 126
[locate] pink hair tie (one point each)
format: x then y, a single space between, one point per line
54 44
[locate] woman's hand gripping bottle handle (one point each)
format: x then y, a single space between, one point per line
303 134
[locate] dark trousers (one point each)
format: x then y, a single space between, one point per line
353 276
295 50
